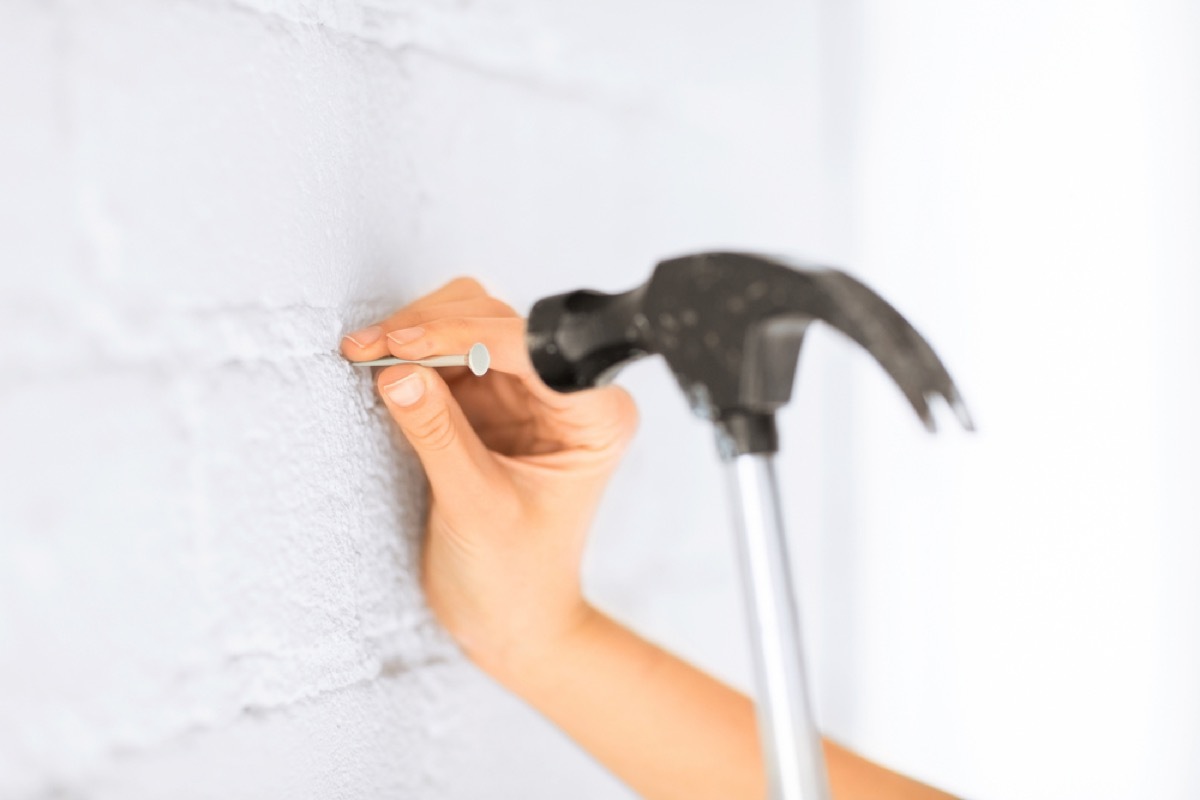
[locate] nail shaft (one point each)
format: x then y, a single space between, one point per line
477 359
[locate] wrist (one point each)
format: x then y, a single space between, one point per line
517 658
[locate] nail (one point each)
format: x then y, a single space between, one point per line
478 359
406 335
406 391
365 337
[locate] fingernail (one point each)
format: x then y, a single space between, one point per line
406 335
365 337
406 391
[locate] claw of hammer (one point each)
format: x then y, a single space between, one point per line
858 312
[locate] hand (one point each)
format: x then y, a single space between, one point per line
515 471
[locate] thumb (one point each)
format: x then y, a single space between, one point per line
459 466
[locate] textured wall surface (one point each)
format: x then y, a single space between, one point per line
207 528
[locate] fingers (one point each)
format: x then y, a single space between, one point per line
460 469
371 343
481 306
504 337
449 321
459 297
596 419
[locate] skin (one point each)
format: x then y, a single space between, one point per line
516 471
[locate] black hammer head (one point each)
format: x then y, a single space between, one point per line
730 326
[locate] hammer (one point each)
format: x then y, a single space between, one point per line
730 327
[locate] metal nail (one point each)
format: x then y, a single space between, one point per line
477 359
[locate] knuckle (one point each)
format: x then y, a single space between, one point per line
467 285
449 327
499 308
620 420
503 309
433 430
625 425
627 413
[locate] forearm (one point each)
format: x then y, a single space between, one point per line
668 730
665 728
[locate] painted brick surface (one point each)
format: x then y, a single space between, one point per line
208 529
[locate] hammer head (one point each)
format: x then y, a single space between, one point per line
730 327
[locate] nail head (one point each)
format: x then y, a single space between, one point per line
478 358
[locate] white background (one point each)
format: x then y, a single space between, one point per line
208 531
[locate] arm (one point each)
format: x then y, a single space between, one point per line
515 473
666 728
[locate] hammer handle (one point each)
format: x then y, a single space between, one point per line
791 743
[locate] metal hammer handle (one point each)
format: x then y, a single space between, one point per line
791 744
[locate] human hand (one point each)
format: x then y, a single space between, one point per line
515 471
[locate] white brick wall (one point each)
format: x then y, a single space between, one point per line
207 529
